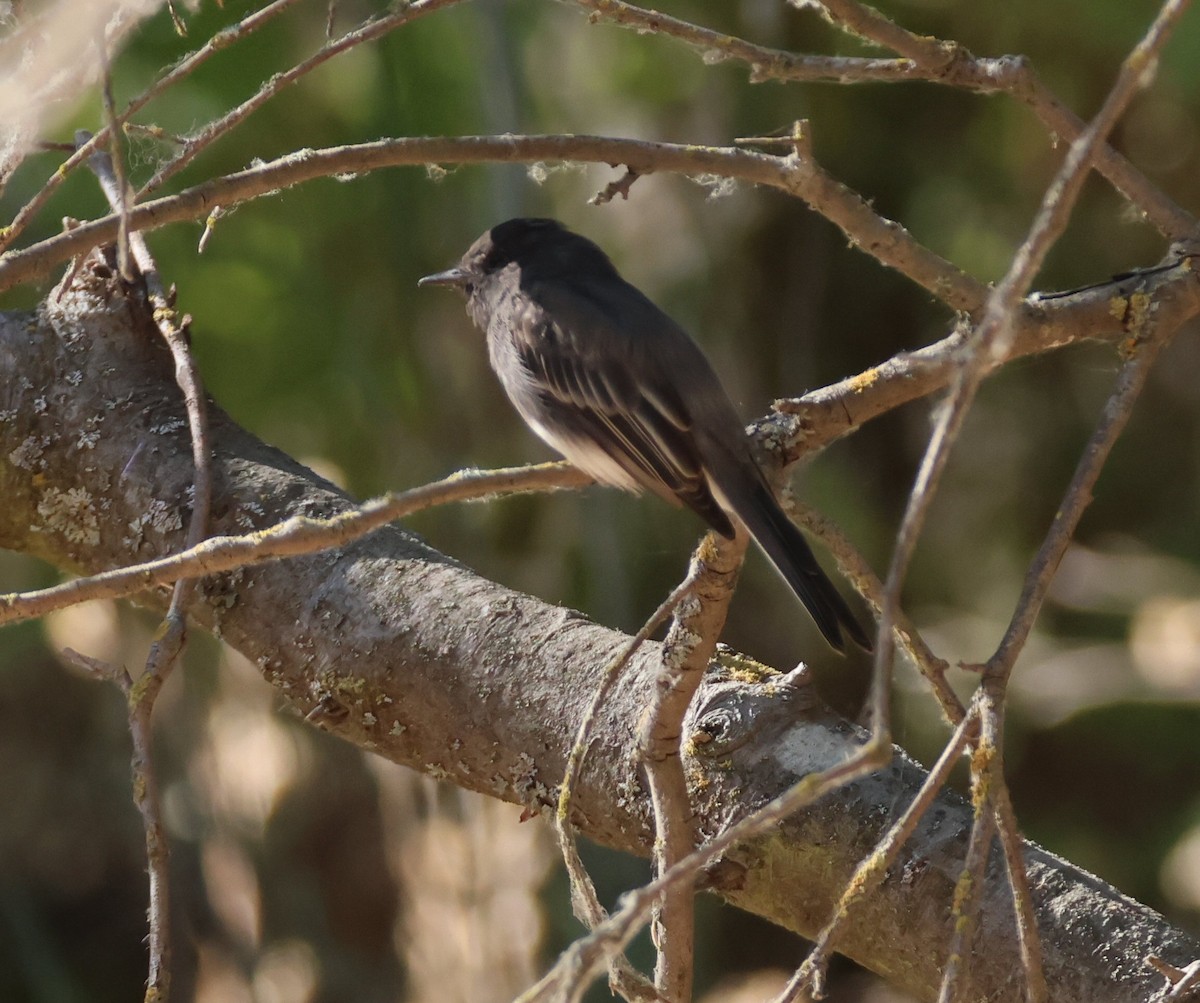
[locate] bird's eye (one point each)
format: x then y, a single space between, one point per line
493 261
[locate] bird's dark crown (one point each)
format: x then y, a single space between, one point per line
543 243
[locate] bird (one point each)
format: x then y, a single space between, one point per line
614 385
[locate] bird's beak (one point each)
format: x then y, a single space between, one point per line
451 277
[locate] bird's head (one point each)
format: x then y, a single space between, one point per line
538 248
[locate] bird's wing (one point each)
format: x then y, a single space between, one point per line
602 390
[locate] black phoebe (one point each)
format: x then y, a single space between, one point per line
617 387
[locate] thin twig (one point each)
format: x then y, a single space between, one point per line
987 766
118 190
687 650
169 642
953 63
765 63
292 537
965 911
177 20
1183 982
367 32
222 39
802 178
992 339
139 701
614 188
1028 939
869 24
1144 350
583 960
873 869
584 900
854 567
805 425
1167 216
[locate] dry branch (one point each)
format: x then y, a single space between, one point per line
417 657
803 178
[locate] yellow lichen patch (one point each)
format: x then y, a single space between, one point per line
1127 347
1139 312
697 779
981 768
745 669
707 551
864 380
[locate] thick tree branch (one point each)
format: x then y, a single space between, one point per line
409 654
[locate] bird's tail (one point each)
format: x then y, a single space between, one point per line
787 549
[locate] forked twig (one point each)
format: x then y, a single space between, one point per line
805 179
873 869
992 336
580 963
993 333
221 40
687 650
368 32
952 63
964 913
854 566
586 904
170 639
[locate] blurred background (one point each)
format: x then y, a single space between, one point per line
308 871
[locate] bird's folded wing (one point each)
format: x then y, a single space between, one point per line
600 392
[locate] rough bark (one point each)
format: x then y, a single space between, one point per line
408 653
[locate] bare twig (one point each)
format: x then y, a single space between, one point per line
222 39
922 58
586 904
614 188
1144 348
584 959
295 536
802 178
993 338
169 642
368 32
1183 983
765 63
210 227
687 650
1167 216
139 701
965 911
1170 293
872 870
117 190
177 20
867 23
991 798
853 565
953 63
1028 940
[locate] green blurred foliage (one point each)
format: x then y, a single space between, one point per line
310 330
